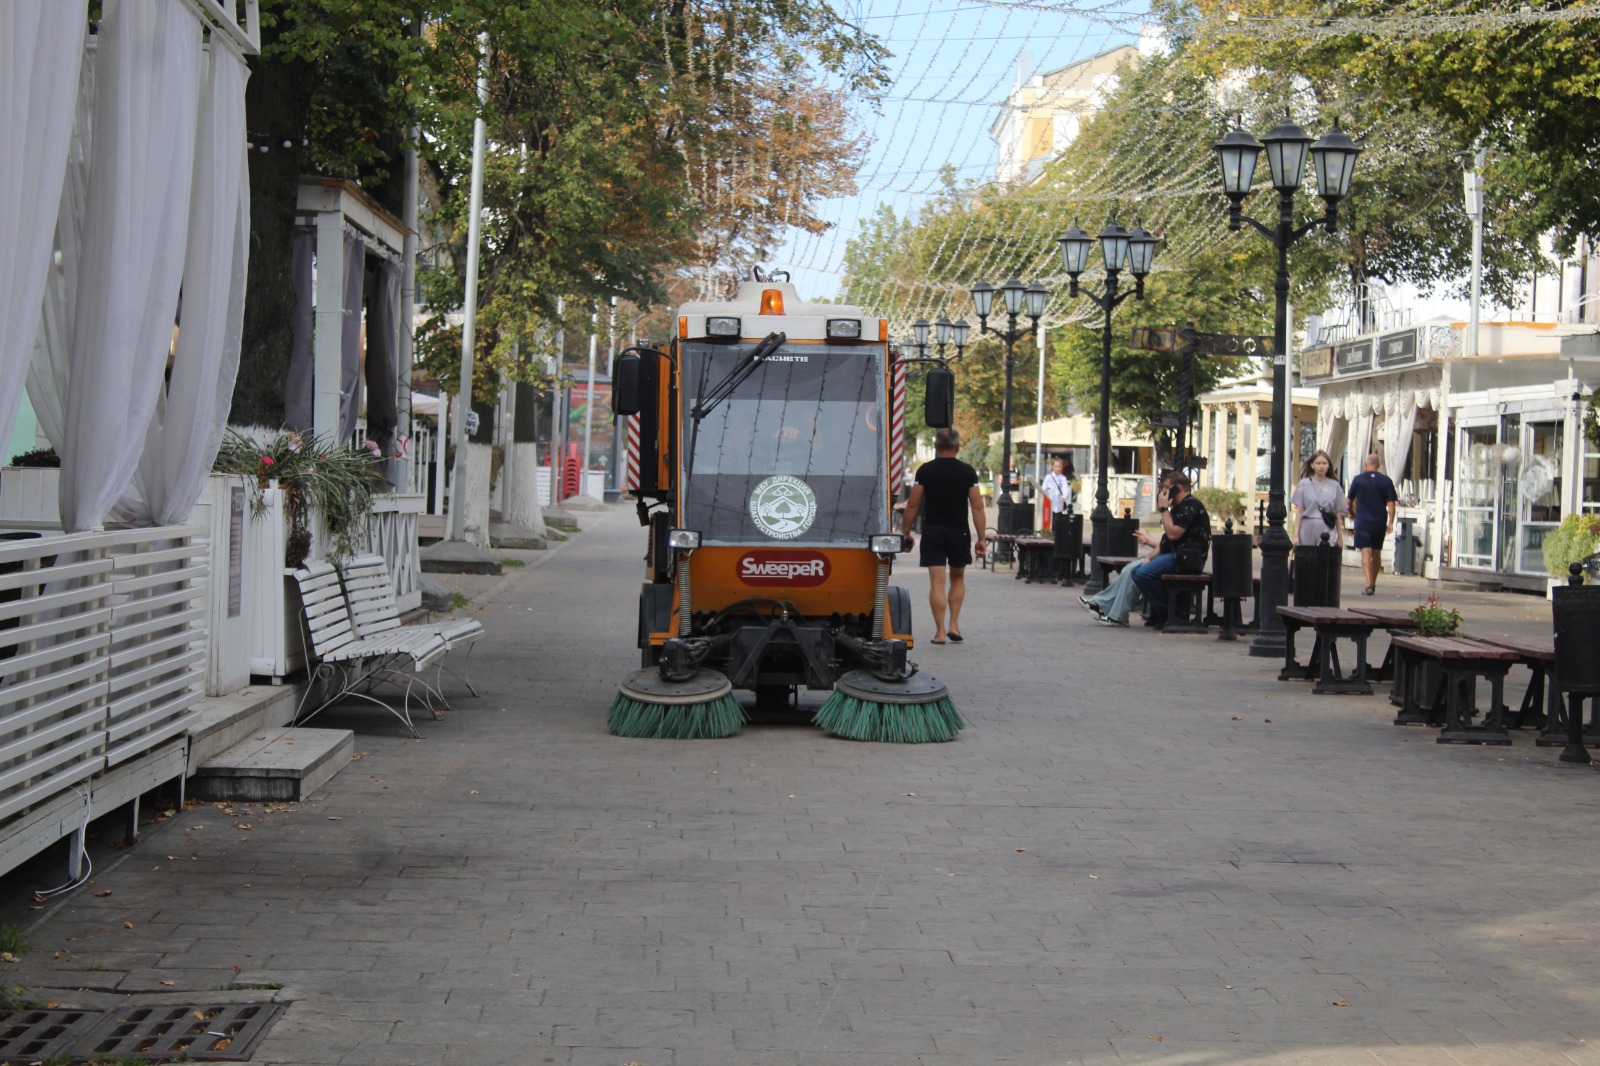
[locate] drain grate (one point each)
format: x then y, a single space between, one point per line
31 1035
217 1033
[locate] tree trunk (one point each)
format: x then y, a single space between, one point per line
277 103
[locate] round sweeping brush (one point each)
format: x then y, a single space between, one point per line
916 710
699 708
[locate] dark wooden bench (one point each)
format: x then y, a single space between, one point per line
1186 600
1322 665
1542 705
1460 662
1113 564
1000 548
1036 559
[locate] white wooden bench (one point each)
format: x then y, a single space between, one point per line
375 614
352 665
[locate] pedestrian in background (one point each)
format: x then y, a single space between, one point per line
1372 502
1318 501
1057 489
946 490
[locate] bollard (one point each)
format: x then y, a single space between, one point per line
1575 614
1231 576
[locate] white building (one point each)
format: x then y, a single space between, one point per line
1045 111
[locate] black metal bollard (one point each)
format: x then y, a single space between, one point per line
1316 575
1231 577
1575 612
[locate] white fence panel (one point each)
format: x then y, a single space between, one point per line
55 632
158 655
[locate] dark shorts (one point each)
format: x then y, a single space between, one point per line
1370 538
946 546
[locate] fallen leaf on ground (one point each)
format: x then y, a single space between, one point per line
1022 849
127 925
166 982
1340 1003
102 895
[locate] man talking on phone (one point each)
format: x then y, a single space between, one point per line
1185 542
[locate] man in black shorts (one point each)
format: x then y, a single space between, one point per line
945 491
1372 501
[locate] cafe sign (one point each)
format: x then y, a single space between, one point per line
1397 349
1353 358
1316 362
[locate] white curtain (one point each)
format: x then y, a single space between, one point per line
147 91
41 46
350 397
1359 423
187 427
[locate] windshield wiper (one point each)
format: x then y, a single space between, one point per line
719 392
736 377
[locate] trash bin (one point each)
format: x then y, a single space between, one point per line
1316 575
1575 614
1119 536
1068 530
1405 547
1232 576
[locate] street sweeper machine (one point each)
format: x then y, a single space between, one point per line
768 442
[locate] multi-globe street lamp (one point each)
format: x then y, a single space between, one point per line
1018 299
944 331
1334 158
1120 249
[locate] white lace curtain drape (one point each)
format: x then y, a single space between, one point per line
186 430
41 47
154 200
147 95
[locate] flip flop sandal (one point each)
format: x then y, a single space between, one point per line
955 638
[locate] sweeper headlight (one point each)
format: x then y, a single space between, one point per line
886 543
683 540
722 327
844 329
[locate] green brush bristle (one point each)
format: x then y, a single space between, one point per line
720 717
893 723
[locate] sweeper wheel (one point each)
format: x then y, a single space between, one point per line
701 707
916 710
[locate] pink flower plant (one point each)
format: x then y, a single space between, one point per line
267 460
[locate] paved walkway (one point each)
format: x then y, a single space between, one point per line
1143 849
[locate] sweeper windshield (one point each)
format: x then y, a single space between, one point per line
795 454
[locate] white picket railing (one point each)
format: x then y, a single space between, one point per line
101 664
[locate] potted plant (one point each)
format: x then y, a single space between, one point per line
1575 540
332 484
1433 619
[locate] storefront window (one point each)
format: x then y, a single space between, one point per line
1540 489
1475 500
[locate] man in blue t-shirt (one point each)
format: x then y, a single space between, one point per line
946 490
1372 501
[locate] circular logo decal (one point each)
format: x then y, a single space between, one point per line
783 507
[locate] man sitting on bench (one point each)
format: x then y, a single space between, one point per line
1185 542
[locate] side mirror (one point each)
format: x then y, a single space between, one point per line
625 391
939 401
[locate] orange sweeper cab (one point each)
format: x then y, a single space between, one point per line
769 444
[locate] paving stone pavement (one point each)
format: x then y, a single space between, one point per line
1142 849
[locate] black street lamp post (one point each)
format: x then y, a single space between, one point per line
1019 299
1136 251
1334 157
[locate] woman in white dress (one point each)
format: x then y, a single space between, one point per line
1318 501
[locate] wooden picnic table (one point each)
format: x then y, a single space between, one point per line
1322 665
1461 661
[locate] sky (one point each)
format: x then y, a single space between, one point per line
954 62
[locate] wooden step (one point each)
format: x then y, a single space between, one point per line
275 765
